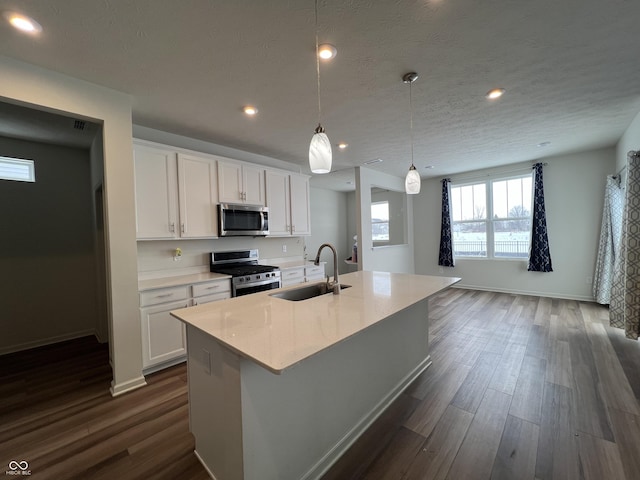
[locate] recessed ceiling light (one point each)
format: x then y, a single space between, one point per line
326 51
23 23
250 110
544 144
375 160
342 145
429 166
495 93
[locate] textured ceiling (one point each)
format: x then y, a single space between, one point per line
570 68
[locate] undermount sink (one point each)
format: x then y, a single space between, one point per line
306 292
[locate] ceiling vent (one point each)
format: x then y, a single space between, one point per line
79 124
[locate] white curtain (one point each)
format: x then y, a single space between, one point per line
610 236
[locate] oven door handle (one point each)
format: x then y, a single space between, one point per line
240 286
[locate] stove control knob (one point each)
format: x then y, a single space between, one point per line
258 277
248 279
241 279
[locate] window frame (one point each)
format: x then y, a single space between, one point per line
30 164
489 220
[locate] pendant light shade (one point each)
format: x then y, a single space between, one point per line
412 181
320 148
320 152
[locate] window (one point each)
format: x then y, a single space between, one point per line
380 221
17 169
492 219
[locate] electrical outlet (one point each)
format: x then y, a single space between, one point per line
284 249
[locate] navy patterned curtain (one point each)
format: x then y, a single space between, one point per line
446 240
539 255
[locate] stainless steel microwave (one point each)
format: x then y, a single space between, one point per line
235 220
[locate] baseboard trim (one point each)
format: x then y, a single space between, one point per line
579 298
46 341
195 452
323 465
133 384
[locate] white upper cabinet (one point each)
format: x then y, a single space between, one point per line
197 193
156 192
278 203
300 209
176 194
288 202
240 183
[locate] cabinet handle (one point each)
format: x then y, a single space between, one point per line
293 228
172 227
182 227
164 295
213 287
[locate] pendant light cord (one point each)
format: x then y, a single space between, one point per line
318 65
411 120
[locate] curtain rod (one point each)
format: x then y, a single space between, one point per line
506 172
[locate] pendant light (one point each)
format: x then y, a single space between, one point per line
412 180
320 147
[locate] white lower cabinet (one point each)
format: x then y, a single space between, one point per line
292 276
163 336
307 273
314 273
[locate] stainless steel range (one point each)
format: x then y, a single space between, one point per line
246 275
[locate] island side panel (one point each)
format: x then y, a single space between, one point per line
295 425
215 416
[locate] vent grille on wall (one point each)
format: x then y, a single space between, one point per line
79 124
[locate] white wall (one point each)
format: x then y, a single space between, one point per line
394 258
48 277
47 90
329 225
574 195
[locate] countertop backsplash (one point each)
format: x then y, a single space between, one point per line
156 257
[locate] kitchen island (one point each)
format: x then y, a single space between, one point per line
279 389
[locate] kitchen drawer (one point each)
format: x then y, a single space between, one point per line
163 295
314 271
292 276
209 288
214 297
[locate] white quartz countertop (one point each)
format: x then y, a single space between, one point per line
277 333
175 281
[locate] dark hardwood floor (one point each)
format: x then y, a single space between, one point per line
520 388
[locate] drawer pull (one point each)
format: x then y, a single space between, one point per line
164 295
213 287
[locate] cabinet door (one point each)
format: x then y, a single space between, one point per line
156 193
198 197
277 184
163 336
300 212
253 185
230 183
